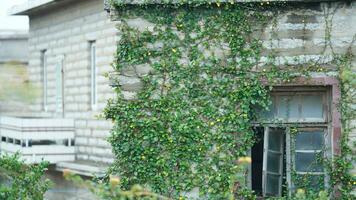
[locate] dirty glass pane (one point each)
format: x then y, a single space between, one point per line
272 185
267 114
310 181
309 140
312 106
273 162
288 107
275 139
308 162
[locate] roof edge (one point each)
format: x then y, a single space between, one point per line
26 8
140 2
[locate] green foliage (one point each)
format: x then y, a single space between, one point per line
191 118
300 195
21 181
343 181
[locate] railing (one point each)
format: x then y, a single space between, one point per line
37 139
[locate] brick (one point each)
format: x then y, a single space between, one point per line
81 141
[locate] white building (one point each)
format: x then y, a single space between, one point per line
71 46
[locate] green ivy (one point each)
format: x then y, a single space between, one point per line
191 119
344 183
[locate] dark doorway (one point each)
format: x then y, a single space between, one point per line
257 162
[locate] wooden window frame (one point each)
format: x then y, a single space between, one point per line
265 163
331 123
299 95
290 158
291 164
334 94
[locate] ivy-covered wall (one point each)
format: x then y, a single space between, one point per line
188 75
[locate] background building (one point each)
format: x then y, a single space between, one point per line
71 46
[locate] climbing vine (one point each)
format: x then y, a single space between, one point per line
202 74
340 167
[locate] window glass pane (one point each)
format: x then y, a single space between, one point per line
288 107
266 114
312 106
310 181
93 68
295 106
275 139
59 85
273 162
18 142
272 185
273 154
310 140
308 162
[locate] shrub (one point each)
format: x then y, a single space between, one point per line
22 181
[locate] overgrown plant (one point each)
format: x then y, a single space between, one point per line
192 118
342 163
22 181
204 76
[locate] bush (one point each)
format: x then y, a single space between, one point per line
21 181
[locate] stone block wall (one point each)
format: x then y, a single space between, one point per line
297 34
66 32
306 33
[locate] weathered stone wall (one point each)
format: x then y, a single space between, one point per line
306 33
298 34
310 32
66 31
315 32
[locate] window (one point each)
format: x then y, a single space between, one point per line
93 71
59 84
44 78
297 107
291 143
273 161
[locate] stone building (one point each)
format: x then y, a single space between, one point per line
72 45
305 33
